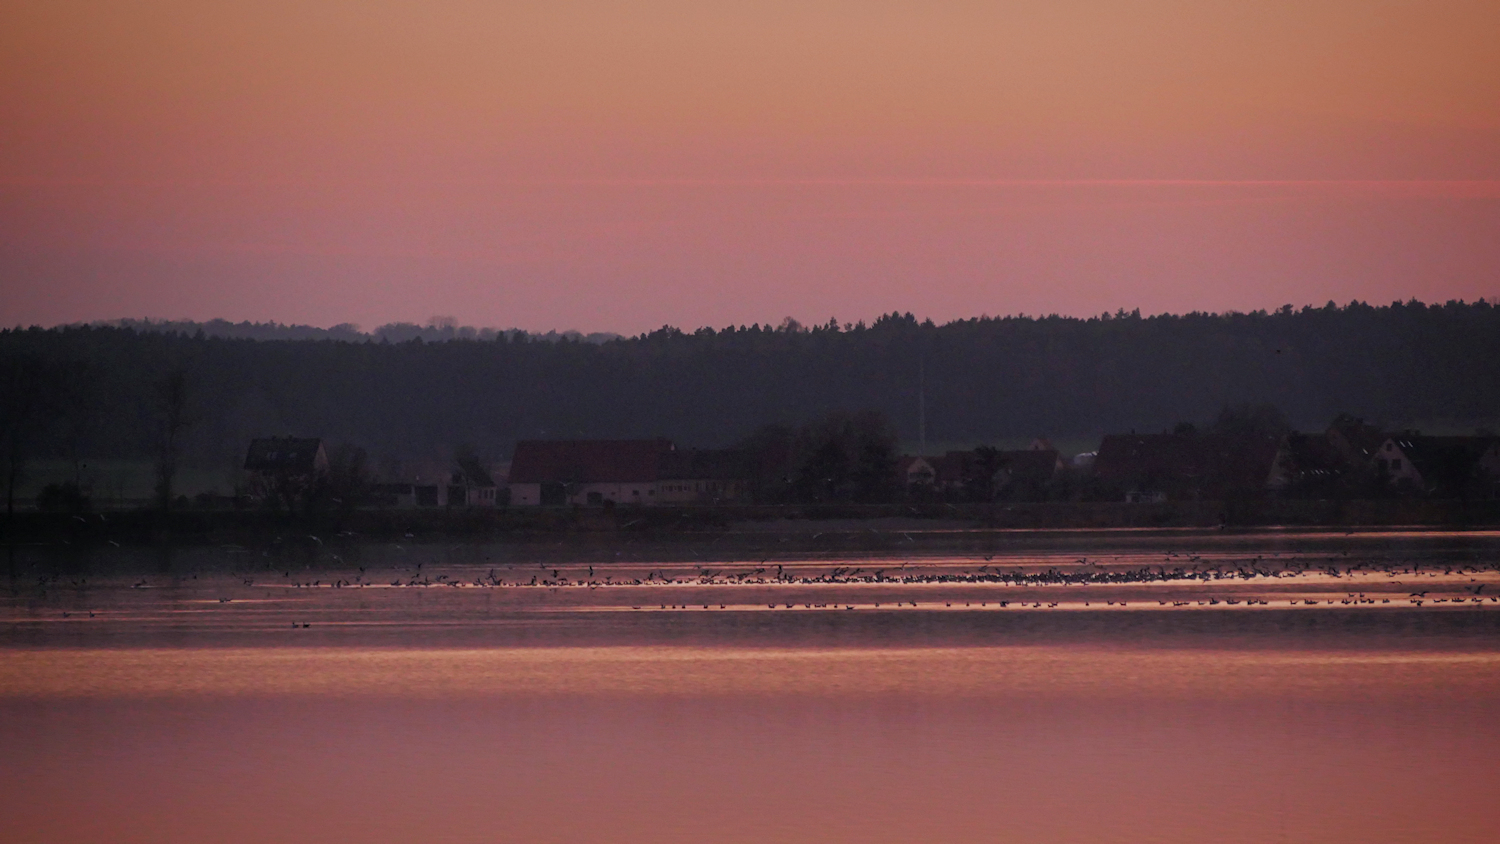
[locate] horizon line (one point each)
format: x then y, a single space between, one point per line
119 322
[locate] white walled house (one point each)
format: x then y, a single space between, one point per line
1441 466
1392 459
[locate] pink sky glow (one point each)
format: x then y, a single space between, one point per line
608 166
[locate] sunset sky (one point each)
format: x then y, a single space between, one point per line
616 166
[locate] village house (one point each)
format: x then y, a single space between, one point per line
284 467
1392 461
286 456
1028 474
423 484
1438 466
917 471
702 476
1146 468
400 495
1355 441
942 475
472 486
1308 463
984 473
557 472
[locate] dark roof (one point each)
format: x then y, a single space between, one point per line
587 461
1310 462
284 454
1310 453
1357 441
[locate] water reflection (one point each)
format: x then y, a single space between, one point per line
499 594
171 700
1078 671
676 745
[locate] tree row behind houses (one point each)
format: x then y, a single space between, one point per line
852 459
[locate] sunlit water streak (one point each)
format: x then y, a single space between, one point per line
688 671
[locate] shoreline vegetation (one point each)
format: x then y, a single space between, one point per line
875 526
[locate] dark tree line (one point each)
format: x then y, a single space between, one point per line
840 457
98 391
437 329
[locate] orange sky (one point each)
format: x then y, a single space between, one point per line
616 166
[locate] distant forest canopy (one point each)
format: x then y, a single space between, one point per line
435 330
96 390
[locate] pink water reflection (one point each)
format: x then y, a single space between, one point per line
670 744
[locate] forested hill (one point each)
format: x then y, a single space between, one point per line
986 379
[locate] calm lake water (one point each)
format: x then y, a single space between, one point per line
1163 687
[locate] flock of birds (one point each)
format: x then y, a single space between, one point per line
1169 580
1172 580
1174 570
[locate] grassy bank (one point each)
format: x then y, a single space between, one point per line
250 526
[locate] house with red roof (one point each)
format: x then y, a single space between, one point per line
558 472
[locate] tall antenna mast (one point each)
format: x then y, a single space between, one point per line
921 407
